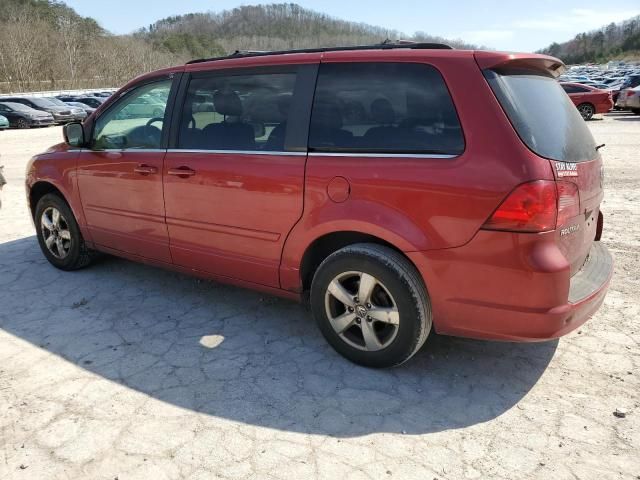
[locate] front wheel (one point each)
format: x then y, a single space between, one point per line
371 305
59 235
586 110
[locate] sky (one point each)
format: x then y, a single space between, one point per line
514 25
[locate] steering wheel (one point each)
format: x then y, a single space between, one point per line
154 119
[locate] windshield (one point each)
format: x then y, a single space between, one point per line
55 101
17 106
42 102
543 115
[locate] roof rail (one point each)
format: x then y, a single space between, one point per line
386 45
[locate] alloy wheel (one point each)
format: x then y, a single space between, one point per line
362 311
55 233
586 111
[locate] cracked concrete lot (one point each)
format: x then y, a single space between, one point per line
131 372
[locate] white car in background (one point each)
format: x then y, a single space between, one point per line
629 99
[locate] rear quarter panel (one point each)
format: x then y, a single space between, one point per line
419 204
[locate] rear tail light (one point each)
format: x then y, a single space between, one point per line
537 206
531 207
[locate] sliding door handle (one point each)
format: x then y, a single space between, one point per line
143 169
182 172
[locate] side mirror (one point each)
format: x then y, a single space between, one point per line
74 134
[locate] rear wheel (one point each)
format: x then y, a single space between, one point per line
22 123
371 305
636 111
59 235
586 110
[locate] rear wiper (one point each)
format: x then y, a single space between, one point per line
599 147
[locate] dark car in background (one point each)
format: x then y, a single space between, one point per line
93 102
60 114
78 113
83 106
21 116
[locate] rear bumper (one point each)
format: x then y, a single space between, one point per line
604 107
512 287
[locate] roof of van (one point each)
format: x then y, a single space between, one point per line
386 45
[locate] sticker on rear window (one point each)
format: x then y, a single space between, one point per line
566 169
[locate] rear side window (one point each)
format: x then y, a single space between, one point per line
237 112
543 115
383 108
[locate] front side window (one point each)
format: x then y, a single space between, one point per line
383 108
135 121
237 112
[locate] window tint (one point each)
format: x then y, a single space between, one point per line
570 88
237 112
135 121
544 117
383 107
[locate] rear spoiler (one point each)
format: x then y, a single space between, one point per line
545 63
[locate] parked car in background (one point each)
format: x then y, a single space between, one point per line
4 122
402 188
83 106
78 113
629 99
61 114
588 100
149 106
21 116
93 102
632 81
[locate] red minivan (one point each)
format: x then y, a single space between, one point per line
398 188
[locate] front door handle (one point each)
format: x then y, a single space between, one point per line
182 172
143 169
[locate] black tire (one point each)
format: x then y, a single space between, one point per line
586 110
78 256
22 123
635 111
399 278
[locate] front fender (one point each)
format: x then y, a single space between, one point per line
57 167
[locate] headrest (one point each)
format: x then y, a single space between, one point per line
227 103
327 114
382 111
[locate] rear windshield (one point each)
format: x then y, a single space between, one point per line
543 115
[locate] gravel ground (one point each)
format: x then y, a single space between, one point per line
131 372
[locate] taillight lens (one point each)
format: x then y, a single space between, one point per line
531 207
568 202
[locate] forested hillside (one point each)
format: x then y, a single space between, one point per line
46 45
615 41
266 27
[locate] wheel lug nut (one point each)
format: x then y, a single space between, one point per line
358 321
355 299
369 319
351 309
368 305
